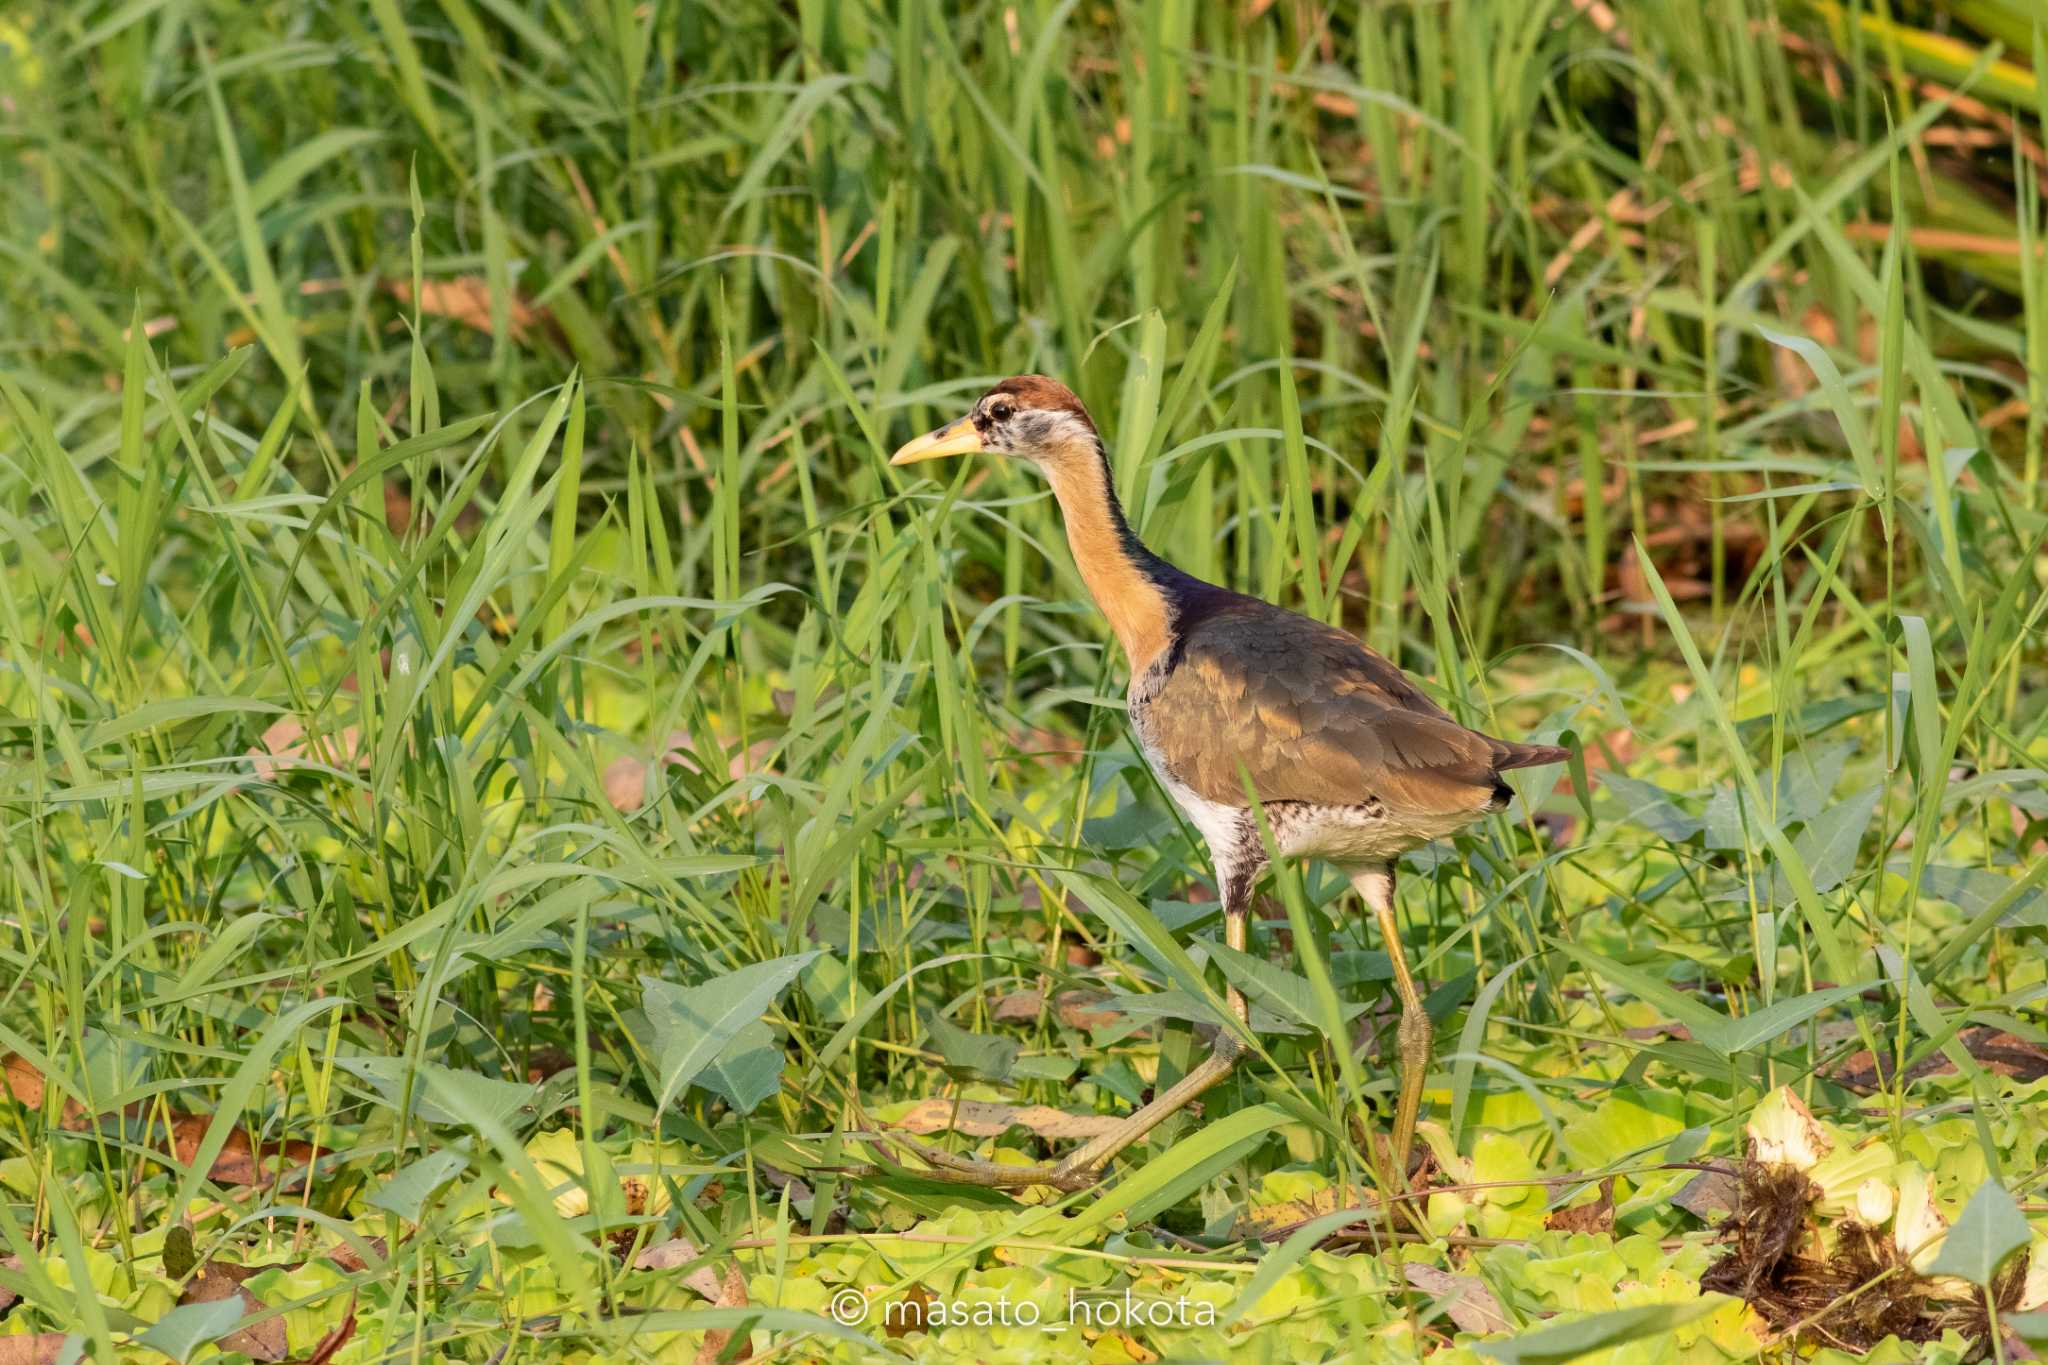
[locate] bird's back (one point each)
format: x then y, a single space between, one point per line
1251 692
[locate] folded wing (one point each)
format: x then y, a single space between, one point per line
1310 714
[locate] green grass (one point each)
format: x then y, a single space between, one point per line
476 706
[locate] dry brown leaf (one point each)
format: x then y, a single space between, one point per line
626 779
980 1118
1266 1221
724 1291
465 299
349 1259
1474 1309
241 1160
1018 1006
24 1082
732 1293
335 1340
1075 1009
216 1281
33 1348
681 1251
1597 1216
284 746
2001 1053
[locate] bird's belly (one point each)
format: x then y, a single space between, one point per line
1364 833
1367 832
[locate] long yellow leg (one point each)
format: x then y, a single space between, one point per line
1085 1165
1376 885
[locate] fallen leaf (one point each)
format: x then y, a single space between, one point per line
910 1318
1077 1009
34 1348
2001 1053
335 1340
1474 1308
681 1251
626 779
981 1118
728 1290
264 1340
1709 1196
24 1082
466 299
732 1293
241 1160
1269 1221
1597 1216
284 746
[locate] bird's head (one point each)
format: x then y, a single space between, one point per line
1030 416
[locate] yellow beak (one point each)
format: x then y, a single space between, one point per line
959 438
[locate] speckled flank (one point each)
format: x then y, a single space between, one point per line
1362 833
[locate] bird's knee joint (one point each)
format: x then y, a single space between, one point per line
1416 1030
1070 1180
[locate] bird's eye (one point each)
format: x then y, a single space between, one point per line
1002 412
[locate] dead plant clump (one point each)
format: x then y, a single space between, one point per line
1851 1297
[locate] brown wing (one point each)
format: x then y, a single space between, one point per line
1313 715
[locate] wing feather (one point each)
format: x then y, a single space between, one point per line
1310 714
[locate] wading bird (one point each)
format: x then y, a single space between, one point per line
1231 697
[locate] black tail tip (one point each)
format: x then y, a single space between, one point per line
1531 756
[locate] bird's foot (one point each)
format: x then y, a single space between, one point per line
1067 1176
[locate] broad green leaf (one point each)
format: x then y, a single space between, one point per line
1648 805
692 1025
1765 1025
1170 1176
1704 1021
969 1055
1287 994
407 1191
186 1328
1975 890
1828 844
442 1094
748 1071
1601 1331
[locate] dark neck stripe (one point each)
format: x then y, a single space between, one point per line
1188 598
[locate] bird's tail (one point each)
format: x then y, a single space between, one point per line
1527 755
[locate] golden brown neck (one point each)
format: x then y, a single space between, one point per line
1113 564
